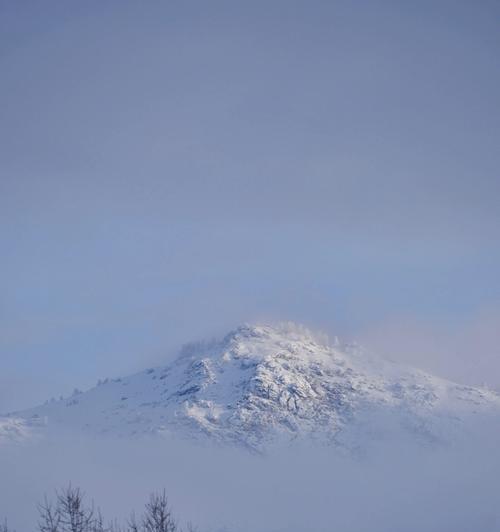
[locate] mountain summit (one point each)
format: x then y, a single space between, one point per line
260 384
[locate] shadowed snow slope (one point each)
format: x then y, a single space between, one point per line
263 384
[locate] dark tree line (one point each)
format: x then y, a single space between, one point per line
69 512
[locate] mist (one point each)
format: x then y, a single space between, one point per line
465 349
397 485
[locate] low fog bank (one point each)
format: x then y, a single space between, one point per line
397 487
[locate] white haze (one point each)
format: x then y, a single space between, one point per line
465 350
395 487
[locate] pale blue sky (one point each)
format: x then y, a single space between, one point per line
169 169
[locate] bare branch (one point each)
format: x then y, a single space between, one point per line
4 527
158 516
74 516
49 517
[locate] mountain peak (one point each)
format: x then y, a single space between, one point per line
284 329
266 382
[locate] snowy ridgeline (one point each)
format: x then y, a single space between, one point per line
263 384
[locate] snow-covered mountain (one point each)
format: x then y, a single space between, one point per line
262 384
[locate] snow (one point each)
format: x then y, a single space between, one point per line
260 384
14 429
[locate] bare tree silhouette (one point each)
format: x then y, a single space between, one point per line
70 513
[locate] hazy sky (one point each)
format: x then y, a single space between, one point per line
170 169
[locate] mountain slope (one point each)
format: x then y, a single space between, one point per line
261 384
